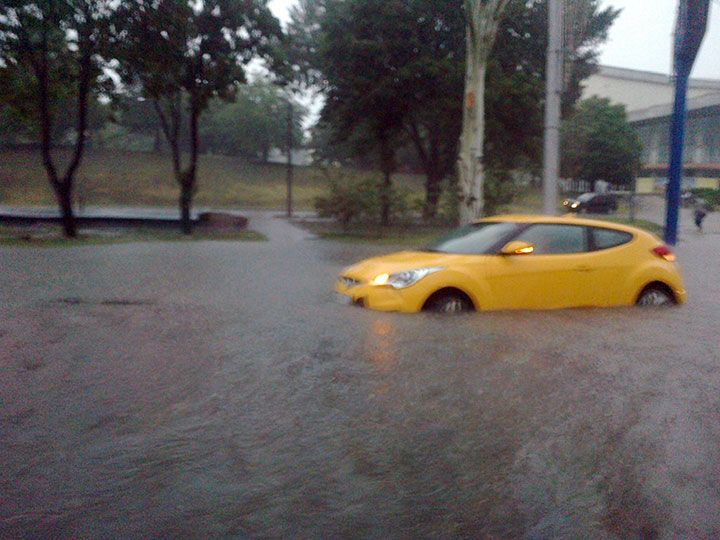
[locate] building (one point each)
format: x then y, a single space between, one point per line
648 98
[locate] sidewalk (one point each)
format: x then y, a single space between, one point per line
652 208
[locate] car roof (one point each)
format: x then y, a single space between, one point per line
564 220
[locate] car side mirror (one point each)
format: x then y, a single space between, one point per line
517 247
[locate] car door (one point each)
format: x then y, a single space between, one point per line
611 258
556 275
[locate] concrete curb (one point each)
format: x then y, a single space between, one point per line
96 221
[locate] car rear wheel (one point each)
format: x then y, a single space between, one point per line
449 302
655 296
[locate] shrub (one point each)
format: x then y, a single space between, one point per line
500 190
449 203
343 203
350 201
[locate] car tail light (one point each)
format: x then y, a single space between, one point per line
664 253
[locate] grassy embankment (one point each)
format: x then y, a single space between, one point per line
117 178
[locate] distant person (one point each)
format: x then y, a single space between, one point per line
700 213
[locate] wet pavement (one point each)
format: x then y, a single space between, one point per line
210 389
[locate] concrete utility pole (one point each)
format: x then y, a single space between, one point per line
553 92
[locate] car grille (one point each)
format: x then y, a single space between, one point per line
349 282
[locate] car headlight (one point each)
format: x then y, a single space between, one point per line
402 280
574 205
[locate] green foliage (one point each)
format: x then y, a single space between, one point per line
301 42
410 54
516 75
199 47
344 203
449 204
349 201
500 190
253 124
598 143
137 115
709 195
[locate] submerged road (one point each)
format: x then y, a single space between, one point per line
214 389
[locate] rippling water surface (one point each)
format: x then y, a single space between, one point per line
215 389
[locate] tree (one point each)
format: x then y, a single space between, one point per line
482 21
253 124
437 78
433 81
516 75
50 54
366 77
598 143
139 118
586 27
181 55
302 46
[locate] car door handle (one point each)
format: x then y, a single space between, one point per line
583 268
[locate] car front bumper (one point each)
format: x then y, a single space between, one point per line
380 298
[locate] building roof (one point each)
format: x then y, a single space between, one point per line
705 101
654 77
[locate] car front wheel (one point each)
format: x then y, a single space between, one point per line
655 296
449 302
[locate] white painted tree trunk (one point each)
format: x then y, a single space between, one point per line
483 18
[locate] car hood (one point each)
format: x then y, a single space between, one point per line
399 262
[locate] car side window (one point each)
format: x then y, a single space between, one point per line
608 238
550 239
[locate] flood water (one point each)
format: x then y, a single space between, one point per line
215 389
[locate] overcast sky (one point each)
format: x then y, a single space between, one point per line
639 39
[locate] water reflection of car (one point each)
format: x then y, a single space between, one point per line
520 262
593 203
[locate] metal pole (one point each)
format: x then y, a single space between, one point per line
289 146
553 91
677 138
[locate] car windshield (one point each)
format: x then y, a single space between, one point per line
474 239
585 197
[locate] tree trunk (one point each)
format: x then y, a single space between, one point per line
483 18
432 194
187 182
431 164
387 165
63 194
185 204
157 142
471 172
385 199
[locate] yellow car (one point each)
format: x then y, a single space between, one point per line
521 262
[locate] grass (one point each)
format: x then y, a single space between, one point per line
124 178
48 236
406 235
